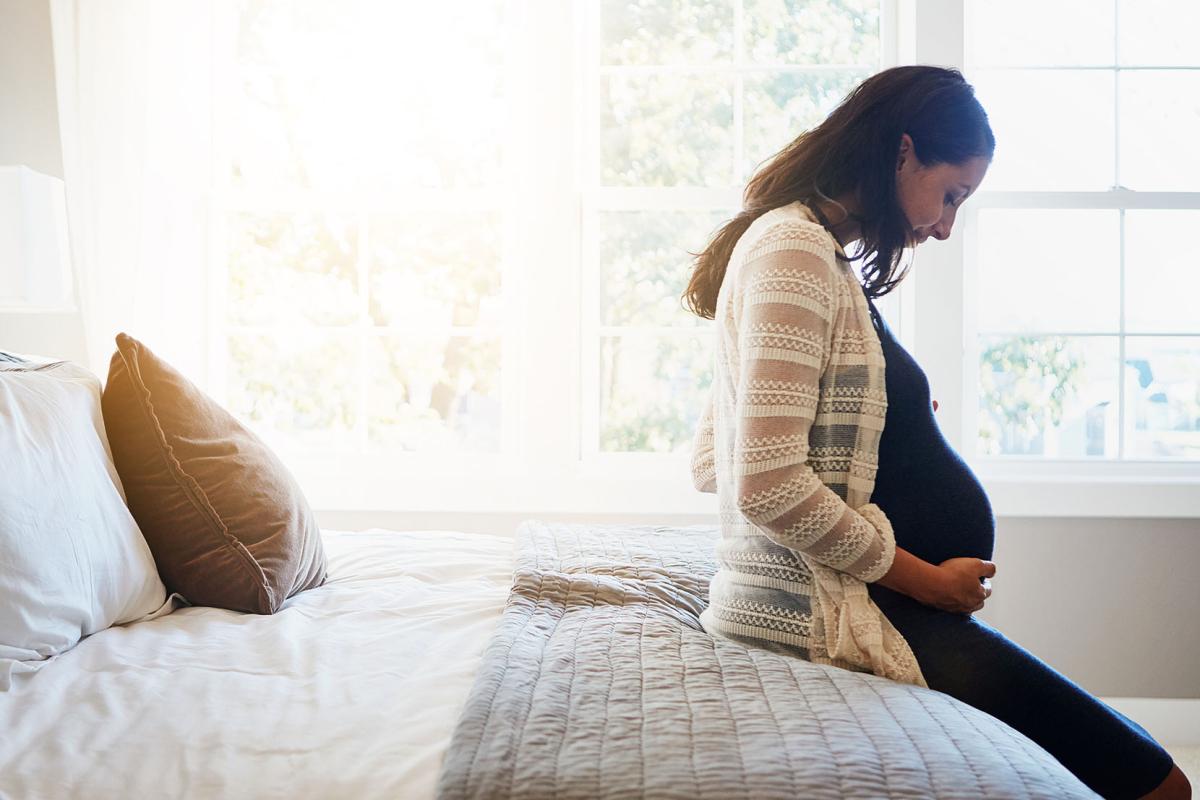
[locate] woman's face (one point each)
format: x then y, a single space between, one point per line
930 196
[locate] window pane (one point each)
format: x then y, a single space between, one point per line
646 262
1160 125
780 106
285 269
303 385
1048 270
1160 272
1162 389
666 130
431 270
812 31
1048 396
1035 33
1054 130
666 31
329 94
652 391
1159 32
434 394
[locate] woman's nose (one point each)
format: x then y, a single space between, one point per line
941 231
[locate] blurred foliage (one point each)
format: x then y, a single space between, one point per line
676 129
778 106
841 32
304 382
431 269
666 130
674 32
1025 381
646 261
288 269
651 390
434 394
666 32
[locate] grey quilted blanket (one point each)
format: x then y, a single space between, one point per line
600 682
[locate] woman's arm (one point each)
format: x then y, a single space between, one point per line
704 468
787 297
912 576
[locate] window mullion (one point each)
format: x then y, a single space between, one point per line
548 221
739 136
941 300
1121 342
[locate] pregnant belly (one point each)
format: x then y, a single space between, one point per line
936 505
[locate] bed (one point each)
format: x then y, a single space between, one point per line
351 690
567 662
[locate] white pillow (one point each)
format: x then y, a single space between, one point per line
72 560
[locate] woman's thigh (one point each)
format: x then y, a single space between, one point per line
973 662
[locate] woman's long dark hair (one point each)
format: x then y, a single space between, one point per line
854 151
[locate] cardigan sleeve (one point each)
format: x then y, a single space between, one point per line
785 327
704 467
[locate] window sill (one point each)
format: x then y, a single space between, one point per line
1159 497
657 485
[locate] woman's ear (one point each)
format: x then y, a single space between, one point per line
906 144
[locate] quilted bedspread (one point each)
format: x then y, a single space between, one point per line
600 682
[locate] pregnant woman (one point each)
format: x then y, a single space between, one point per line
852 534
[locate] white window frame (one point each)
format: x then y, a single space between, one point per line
1024 486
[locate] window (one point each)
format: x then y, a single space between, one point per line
444 244
450 248
369 241
1088 344
684 99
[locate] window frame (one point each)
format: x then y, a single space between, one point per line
1038 486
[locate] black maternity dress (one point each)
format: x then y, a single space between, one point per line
939 511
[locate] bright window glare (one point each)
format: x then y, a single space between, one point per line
1031 260
1159 32
357 96
353 325
1159 293
1030 33
1054 130
1160 126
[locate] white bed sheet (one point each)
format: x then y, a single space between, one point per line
351 690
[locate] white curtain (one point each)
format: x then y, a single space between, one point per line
134 80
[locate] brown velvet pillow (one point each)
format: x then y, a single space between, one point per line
225 520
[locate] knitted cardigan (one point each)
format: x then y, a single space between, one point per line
789 442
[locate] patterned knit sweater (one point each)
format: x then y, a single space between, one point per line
789 443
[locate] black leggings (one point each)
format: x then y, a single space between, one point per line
973 662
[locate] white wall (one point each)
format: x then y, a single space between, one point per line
29 135
1111 603
28 105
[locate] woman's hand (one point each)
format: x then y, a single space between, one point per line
962 585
